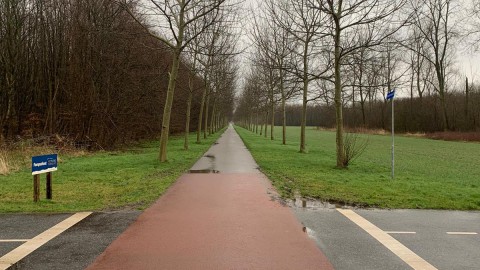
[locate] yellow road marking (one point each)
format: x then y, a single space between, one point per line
13 240
462 233
408 256
31 245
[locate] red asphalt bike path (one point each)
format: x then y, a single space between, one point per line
215 221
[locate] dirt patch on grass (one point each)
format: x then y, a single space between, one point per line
455 136
367 131
358 130
445 136
415 135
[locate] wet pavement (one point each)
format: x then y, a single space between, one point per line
227 155
234 219
225 220
73 249
425 232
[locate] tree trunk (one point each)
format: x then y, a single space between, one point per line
212 117
187 121
261 126
305 100
272 126
200 114
168 105
10 107
441 90
207 104
284 118
266 124
466 100
412 80
338 104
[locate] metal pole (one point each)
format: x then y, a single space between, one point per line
393 139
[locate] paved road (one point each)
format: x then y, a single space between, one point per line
347 245
223 220
228 155
424 232
74 249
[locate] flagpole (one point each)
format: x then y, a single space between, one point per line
393 138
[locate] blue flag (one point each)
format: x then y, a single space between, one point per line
391 94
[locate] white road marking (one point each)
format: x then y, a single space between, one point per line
401 232
31 245
462 233
13 240
404 253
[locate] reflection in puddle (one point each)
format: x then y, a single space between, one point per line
211 165
311 233
299 202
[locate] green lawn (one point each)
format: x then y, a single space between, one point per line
430 174
133 178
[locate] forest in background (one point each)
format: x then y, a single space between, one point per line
86 71
412 115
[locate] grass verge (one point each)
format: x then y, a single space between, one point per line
430 174
131 178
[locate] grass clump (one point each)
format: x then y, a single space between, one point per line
4 163
429 174
132 178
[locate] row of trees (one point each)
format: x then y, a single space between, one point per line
100 71
411 116
344 57
195 26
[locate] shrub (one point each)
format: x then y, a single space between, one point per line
354 147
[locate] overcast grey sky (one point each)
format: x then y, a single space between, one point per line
467 61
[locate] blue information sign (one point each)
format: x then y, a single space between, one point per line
391 94
44 164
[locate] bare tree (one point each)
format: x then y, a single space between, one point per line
217 46
177 17
433 19
363 68
275 45
472 27
268 75
345 20
191 88
13 16
251 100
209 50
303 23
87 71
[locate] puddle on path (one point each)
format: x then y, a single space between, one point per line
211 166
203 171
299 202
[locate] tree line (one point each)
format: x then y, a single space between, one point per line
95 71
411 115
332 63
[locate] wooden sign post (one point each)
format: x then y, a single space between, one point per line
43 164
49 185
36 188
